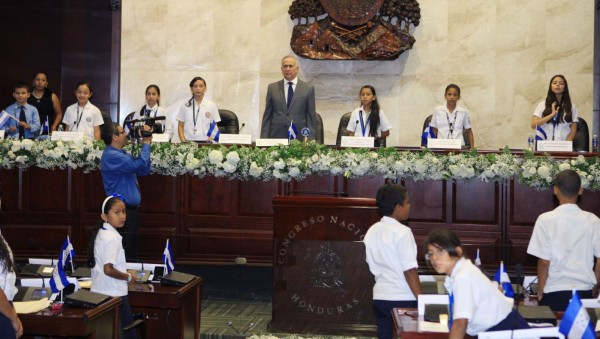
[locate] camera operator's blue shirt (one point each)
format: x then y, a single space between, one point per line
120 171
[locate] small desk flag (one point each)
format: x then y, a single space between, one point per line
167 258
292 131
576 323
502 278
213 131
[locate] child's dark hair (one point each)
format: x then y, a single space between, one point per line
6 259
84 83
455 86
568 183
107 205
21 85
142 111
564 108
374 116
443 239
388 196
189 103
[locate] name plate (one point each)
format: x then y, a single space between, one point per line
444 143
554 146
358 142
271 142
162 137
1 134
236 139
67 136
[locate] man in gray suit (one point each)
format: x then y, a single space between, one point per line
290 99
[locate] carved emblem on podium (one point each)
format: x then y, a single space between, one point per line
353 29
327 269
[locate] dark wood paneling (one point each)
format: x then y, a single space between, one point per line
69 40
427 200
160 196
314 185
254 197
364 187
47 196
208 197
475 202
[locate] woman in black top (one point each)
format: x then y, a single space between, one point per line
46 102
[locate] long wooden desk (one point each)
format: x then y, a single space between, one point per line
171 312
100 322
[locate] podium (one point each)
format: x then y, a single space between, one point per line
322 283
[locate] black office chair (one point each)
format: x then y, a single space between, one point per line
229 123
138 325
106 117
344 120
428 121
581 141
319 137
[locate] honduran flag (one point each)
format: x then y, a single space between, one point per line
4 116
540 134
477 259
427 134
59 279
45 127
167 258
292 131
213 131
502 278
576 322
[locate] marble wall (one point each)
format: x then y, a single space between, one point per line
502 53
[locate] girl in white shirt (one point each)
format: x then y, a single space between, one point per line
369 120
450 121
10 325
106 256
557 116
152 109
476 303
83 116
196 116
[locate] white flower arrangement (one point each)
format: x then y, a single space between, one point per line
298 161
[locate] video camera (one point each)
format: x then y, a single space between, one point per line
138 124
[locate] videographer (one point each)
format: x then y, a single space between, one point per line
120 171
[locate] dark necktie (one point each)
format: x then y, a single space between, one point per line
290 93
147 113
22 118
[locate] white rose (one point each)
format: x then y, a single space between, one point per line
543 171
564 166
215 157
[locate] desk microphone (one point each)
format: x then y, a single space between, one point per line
356 125
242 127
73 126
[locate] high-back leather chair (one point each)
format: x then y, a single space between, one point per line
581 141
344 120
229 123
319 137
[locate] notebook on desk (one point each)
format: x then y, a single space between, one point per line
85 298
537 314
26 293
140 276
176 278
38 270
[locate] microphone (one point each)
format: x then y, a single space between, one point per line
73 126
356 125
241 128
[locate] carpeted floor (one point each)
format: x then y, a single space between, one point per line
233 319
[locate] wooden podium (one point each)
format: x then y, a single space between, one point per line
322 282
